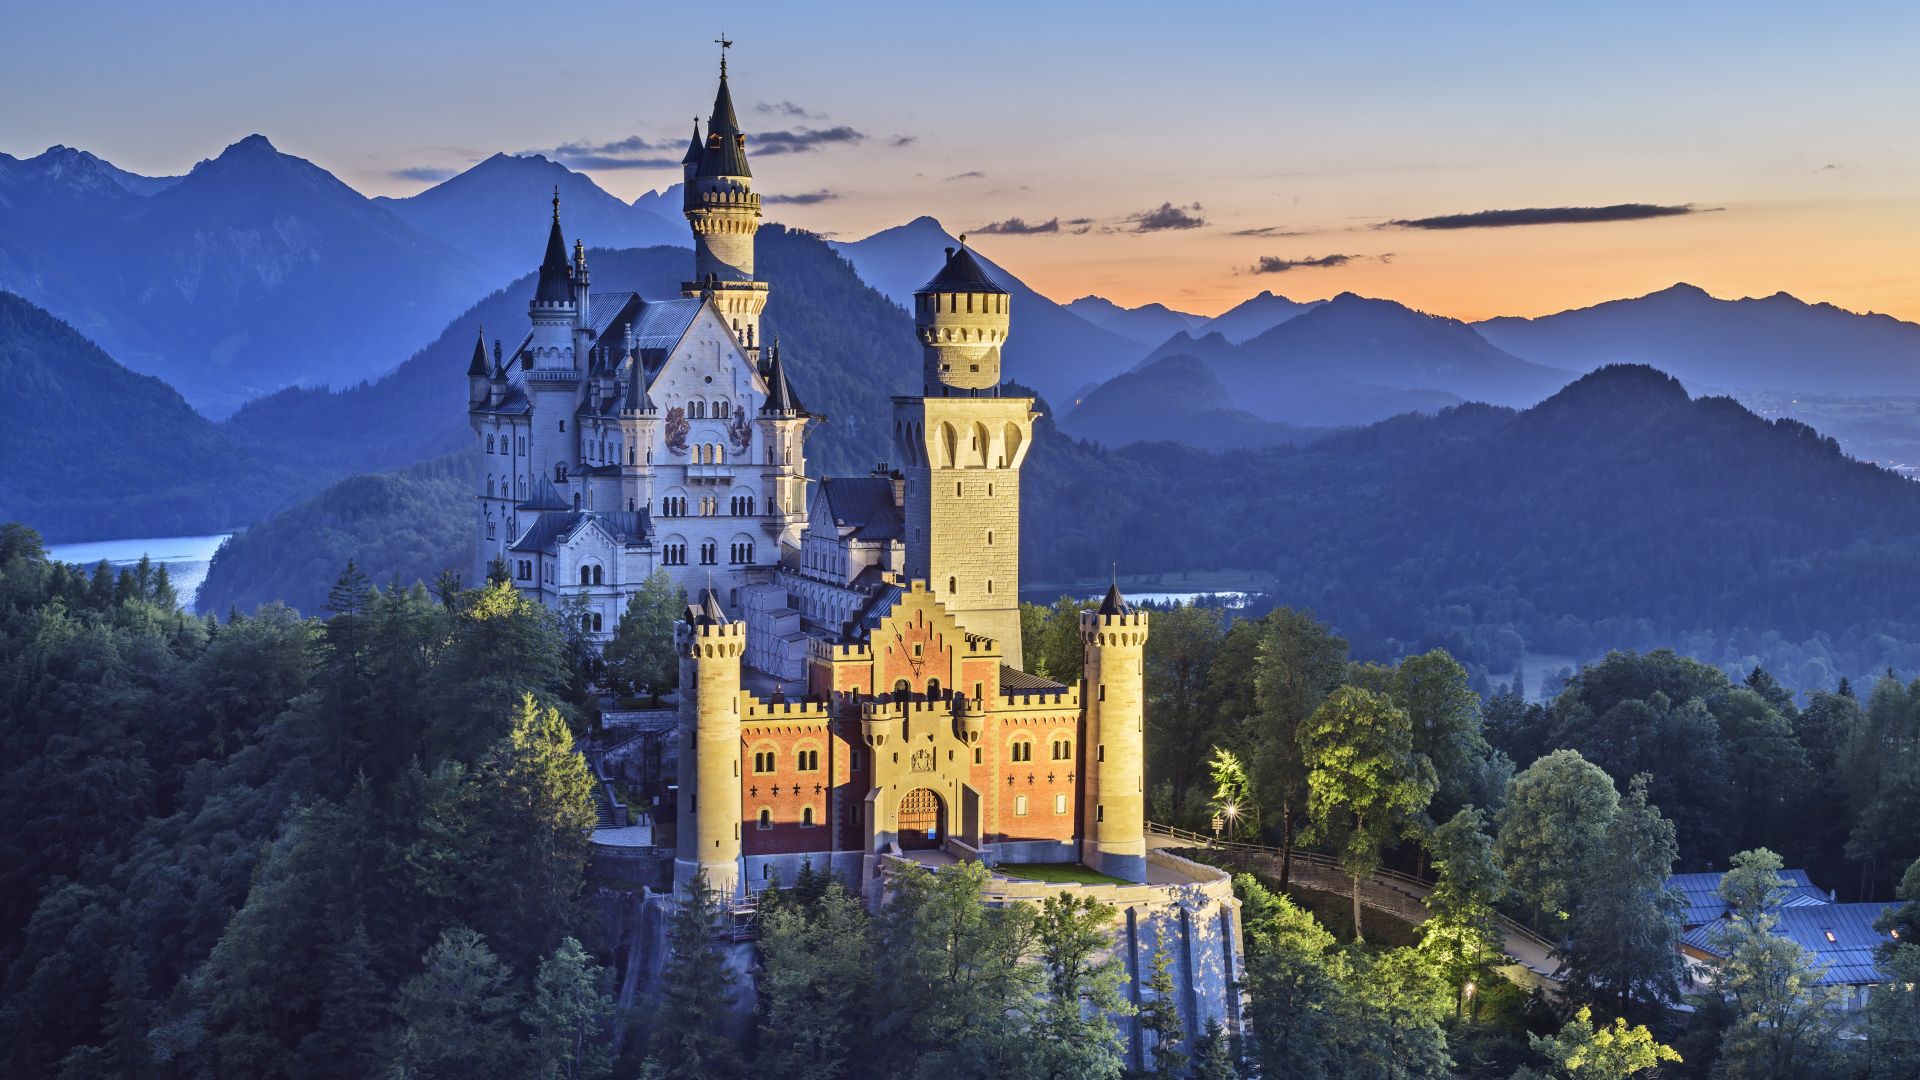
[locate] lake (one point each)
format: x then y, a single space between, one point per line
186 557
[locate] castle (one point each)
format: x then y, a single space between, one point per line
850 682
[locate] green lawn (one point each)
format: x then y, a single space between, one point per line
1072 873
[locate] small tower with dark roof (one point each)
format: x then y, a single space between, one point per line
707 834
961 319
724 213
477 372
1113 693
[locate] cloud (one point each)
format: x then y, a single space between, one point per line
1013 226
632 152
1080 226
786 108
1553 215
432 174
1166 216
903 140
801 140
1274 264
1266 230
970 174
804 198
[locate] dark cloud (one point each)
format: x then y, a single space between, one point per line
804 198
970 174
1267 230
1080 226
1166 216
432 174
1013 226
1274 264
903 140
632 152
801 140
786 108
1552 215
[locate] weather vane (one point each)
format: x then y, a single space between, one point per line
724 46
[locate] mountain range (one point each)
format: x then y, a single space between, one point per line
254 271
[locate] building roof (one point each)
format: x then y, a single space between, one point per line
545 497
962 273
662 323
865 505
706 611
1026 682
555 527
726 151
556 279
693 149
1841 938
877 610
1115 604
780 395
1701 894
477 367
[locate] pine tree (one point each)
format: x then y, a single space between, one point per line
692 1028
815 983
1213 1055
1084 983
1784 1022
457 1015
1623 935
568 1016
641 653
1160 1018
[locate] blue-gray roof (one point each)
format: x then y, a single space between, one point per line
1841 938
663 323
865 505
551 529
1701 892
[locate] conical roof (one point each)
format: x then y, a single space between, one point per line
694 148
1115 604
962 273
780 395
477 367
706 611
556 281
725 153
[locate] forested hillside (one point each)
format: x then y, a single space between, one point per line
1617 514
95 451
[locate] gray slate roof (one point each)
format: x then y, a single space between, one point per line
1701 893
663 323
1848 958
551 529
864 504
545 497
962 273
1026 682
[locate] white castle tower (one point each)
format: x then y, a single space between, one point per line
725 214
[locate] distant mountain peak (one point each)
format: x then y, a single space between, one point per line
1620 385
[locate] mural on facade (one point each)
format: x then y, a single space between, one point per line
678 429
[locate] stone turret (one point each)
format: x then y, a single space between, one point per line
708 833
477 373
1114 691
961 319
961 445
724 213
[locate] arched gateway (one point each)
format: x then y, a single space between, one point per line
922 820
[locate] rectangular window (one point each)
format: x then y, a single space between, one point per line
1099 813
976 755
1020 805
1060 803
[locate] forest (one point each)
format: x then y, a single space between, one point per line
356 844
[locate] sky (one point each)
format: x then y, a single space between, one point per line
1467 159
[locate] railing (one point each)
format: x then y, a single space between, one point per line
1419 888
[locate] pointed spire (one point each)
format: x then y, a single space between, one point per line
555 278
780 395
725 152
694 149
477 368
1115 604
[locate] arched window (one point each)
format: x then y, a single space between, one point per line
586 623
766 818
596 575
596 622
489 444
1021 749
902 687
489 487
807 760
560 473
933 688
806 817
953 584
1062 749
586 576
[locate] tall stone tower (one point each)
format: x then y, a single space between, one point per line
1113 690
962 444
708 832
553 374
725 214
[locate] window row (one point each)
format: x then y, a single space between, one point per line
709 454
1060 805
506 445
766 761
590 575
700 410
1021 749
765 820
